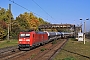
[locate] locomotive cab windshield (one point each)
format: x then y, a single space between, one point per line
24 35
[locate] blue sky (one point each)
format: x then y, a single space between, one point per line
61 11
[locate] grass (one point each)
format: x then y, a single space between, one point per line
32 56
7 43
54 42
43 49
74 50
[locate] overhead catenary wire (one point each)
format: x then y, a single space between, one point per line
25 8
42 9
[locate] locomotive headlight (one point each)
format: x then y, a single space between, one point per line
27 39
20 39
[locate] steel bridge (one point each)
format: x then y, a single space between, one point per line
58 27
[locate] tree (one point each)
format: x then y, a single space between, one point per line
22 22
4 19
30 21
5 14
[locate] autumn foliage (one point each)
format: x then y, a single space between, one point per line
25 21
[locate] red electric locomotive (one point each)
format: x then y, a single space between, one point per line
31 39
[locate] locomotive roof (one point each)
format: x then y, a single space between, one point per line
38 32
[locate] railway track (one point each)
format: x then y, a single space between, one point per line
6 49
13 55
34 54
10 52
4 52
48 54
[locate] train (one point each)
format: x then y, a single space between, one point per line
32 38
